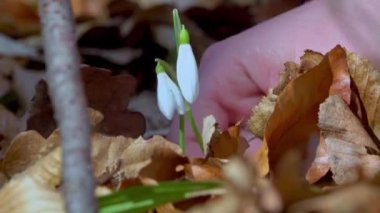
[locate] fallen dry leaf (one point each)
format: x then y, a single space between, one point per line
293 124
24 194
25 149
106 93
119 160
204 169
366 80
226 144
341 85
261 113
289 181
29 146
350 150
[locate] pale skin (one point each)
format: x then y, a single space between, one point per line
237 72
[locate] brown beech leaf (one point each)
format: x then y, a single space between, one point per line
287 179
365 83
226 144
350 150
293 123
119 160
106 93
341 85
262 111
26 148
366 79
204 169
115 159
35 189
29 146
163 156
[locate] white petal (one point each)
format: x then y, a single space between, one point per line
166 102
177 97
187 73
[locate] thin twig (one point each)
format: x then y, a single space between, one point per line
63 78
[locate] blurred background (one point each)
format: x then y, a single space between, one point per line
123 36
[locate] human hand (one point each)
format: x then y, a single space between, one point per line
237 72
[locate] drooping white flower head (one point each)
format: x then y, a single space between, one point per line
187 69
168 95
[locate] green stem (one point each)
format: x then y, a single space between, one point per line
194 127
182 133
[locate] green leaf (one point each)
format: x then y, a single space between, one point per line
143 198
177 26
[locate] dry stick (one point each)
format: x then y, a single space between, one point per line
63 78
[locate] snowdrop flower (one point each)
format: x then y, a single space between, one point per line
168 95
187 70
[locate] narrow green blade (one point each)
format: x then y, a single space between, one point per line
177 26
143 198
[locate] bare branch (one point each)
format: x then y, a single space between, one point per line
67 95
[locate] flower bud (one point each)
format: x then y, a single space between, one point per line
187 69
168 95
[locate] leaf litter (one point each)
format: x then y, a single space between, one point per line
319 124
335 119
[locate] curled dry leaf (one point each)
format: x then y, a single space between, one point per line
34 190
204 169
120 160
287 179
261 114
366 79
365 84
350 150
226 144
24 194
155 159
29 146
293 123
262 111
25 149
163 157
